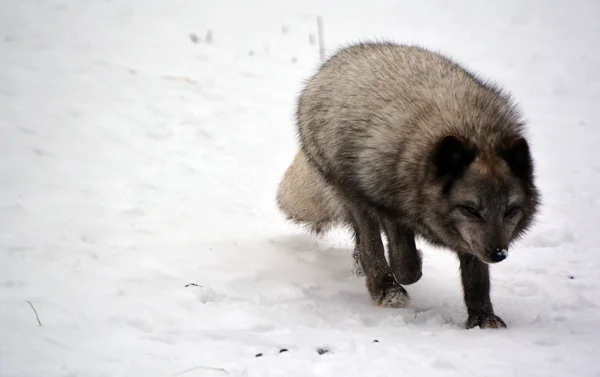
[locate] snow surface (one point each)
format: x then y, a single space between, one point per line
134 162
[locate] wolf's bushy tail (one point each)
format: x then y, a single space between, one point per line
307 199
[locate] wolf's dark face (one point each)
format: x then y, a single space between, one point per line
485 199
484 213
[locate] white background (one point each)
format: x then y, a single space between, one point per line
134 161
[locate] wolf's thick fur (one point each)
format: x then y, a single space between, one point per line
403 140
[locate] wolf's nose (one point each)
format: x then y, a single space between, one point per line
498 255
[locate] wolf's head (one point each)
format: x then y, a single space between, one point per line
483 197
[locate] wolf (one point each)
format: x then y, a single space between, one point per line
402 141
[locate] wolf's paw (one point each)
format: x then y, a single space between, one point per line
485 321
390 294
394 298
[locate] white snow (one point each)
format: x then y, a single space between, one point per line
134 162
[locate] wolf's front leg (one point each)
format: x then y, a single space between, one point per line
381 284
476 288
405 259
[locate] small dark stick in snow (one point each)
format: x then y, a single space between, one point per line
35 311
283 350
322 351
193 285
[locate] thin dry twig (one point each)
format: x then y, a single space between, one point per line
200 367
321 38
180 78
35 311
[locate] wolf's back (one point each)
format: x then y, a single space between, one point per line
369 116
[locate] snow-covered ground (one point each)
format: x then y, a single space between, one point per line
135 162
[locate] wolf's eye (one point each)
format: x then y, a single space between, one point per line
511 211
469 210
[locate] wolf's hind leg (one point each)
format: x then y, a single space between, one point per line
405 259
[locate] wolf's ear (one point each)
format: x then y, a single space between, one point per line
515 151
451 155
